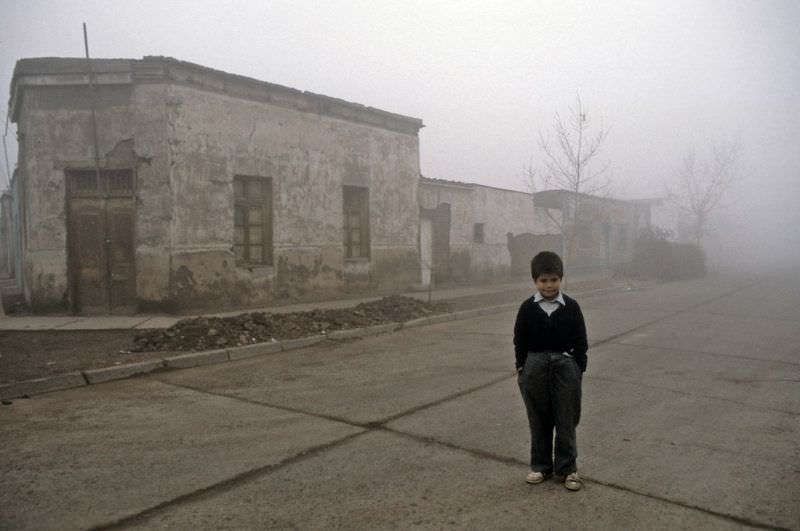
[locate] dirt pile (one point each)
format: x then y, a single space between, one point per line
204 333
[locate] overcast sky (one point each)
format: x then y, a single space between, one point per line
486 77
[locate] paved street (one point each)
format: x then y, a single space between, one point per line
690 421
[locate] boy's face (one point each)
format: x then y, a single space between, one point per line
548 285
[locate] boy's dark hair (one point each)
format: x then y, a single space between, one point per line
547 263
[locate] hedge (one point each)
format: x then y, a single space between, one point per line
656 257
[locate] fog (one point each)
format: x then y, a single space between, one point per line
487 77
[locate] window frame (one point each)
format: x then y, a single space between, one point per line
112 182
244 202
355 206
479 233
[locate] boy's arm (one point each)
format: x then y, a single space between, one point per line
520 351
580 342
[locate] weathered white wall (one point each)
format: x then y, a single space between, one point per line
309 157
502 212
459 248
55 129
187 131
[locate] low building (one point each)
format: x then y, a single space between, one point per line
603 233
156 184
479 233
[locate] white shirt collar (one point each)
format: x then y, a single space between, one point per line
537 297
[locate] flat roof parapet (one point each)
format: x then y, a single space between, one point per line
54 71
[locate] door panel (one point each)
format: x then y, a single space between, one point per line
426 249
87 235
102 265
121 256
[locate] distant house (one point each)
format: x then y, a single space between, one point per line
605 230
153 183
667 219
474 232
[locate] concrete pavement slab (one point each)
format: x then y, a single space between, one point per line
747 337
746 381
776 296
668 297
81 458
710 453
490 420
361 381
381 481
604 323
652 442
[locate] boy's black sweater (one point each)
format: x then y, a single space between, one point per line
563 331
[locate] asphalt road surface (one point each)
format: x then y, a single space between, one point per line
690 420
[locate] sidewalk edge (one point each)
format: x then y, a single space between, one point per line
60 382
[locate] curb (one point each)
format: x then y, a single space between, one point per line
302 342
196 359
350 333
42 385
71 380
118 372
256 349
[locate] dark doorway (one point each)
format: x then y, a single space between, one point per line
100 237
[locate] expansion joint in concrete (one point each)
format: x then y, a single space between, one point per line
223 486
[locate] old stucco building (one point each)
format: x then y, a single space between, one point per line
474 232
605 229
159 184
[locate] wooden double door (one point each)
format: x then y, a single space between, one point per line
100 236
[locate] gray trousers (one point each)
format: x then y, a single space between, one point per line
550 384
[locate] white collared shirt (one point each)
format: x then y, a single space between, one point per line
549 305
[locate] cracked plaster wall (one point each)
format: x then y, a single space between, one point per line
213 137
501 212
186 144
55 132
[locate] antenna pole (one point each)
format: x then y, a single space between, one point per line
94 107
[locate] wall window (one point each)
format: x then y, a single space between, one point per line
356 221
252 219
477 233
85 183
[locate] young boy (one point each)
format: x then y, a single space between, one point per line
550 346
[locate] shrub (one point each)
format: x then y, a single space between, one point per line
656 257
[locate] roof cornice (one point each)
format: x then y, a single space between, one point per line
58 71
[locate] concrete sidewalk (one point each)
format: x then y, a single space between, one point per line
577 283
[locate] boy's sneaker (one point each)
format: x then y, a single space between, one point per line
534 477
573 481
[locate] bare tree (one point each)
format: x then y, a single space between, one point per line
704 182
569 165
